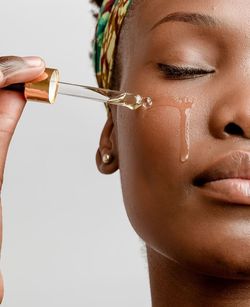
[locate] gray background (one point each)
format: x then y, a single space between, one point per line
67 238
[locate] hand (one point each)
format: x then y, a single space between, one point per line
13 70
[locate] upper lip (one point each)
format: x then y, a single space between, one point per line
234 165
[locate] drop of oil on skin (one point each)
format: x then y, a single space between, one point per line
184 106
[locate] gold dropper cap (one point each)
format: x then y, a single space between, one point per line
44 88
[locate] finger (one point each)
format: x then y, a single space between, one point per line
11 108
15 69
12 70
1 277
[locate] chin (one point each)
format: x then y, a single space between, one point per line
217 252
228 260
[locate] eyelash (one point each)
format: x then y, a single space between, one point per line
173 72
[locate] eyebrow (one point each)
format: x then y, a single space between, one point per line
192 18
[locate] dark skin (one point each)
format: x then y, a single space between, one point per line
198 247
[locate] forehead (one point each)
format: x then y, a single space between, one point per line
233 22
147 12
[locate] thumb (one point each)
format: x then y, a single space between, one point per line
15 69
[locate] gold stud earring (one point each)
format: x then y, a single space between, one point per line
106 158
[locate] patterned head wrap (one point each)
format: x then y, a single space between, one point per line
109 23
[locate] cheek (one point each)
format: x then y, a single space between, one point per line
150 167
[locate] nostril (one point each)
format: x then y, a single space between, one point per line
234 129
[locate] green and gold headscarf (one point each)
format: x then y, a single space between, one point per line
111 16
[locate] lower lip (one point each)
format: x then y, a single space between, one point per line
235 191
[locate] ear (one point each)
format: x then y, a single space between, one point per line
108 145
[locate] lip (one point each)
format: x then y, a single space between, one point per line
227 179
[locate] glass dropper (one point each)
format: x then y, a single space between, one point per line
128 100
47 87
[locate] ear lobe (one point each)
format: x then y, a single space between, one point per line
107 146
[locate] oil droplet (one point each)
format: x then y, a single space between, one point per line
184 106
184 130
146 102
131 101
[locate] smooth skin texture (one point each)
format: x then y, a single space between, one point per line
13 70
198 248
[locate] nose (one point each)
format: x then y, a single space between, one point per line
230 116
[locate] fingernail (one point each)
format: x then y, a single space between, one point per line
33 61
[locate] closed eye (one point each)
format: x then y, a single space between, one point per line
173 72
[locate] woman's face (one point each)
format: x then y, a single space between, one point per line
195 219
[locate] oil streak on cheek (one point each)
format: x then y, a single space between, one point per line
184 106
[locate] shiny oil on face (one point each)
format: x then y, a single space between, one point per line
184 106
